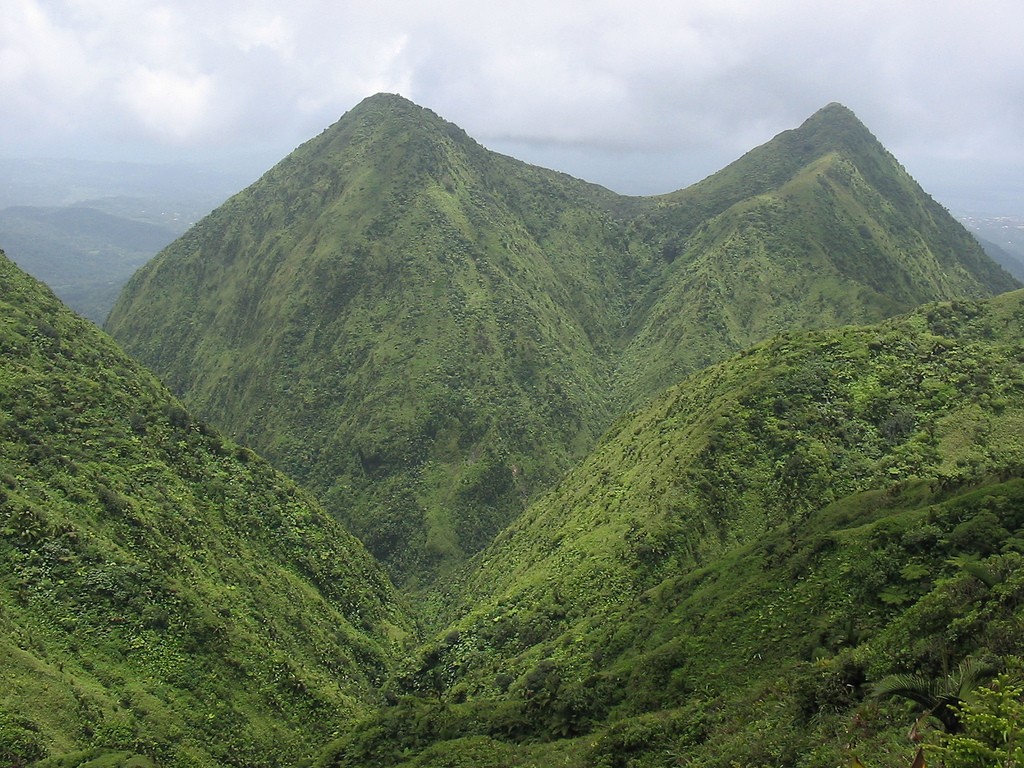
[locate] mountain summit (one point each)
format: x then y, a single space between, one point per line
819 227
427 334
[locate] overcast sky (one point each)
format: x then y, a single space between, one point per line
643 96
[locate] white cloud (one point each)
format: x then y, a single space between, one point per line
43 68
931 77
259 30
172 106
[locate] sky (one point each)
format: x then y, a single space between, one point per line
643 96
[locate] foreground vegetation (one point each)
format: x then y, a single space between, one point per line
163 592
732 571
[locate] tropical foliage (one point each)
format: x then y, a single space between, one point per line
992 733
738 568
163 591
643 516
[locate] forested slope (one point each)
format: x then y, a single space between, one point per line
732 571
163 591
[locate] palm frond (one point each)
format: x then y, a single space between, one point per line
940 697
969 674
914 687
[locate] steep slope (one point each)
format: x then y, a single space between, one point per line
790 426
410 325
729 572
163 591
426 334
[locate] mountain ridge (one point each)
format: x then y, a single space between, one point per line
720 580
847 238
427 333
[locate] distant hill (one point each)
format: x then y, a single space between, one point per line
163 592
174 195
400 319
1002 237
427 334
83 254
85 227
1012 263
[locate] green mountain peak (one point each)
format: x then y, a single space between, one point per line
427 334
382 108
835 114
835 127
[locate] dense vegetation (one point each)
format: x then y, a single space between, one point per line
735 567
165 596
723 581
769 546
373 318
427 334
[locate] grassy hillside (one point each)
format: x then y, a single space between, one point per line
767 656
399 319
795 424
427 334
734 567
163 592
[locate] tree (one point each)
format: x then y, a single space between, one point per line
943 697
992 733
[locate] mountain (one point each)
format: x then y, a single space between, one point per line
165 596
820 227
412 326
427 334
727 576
